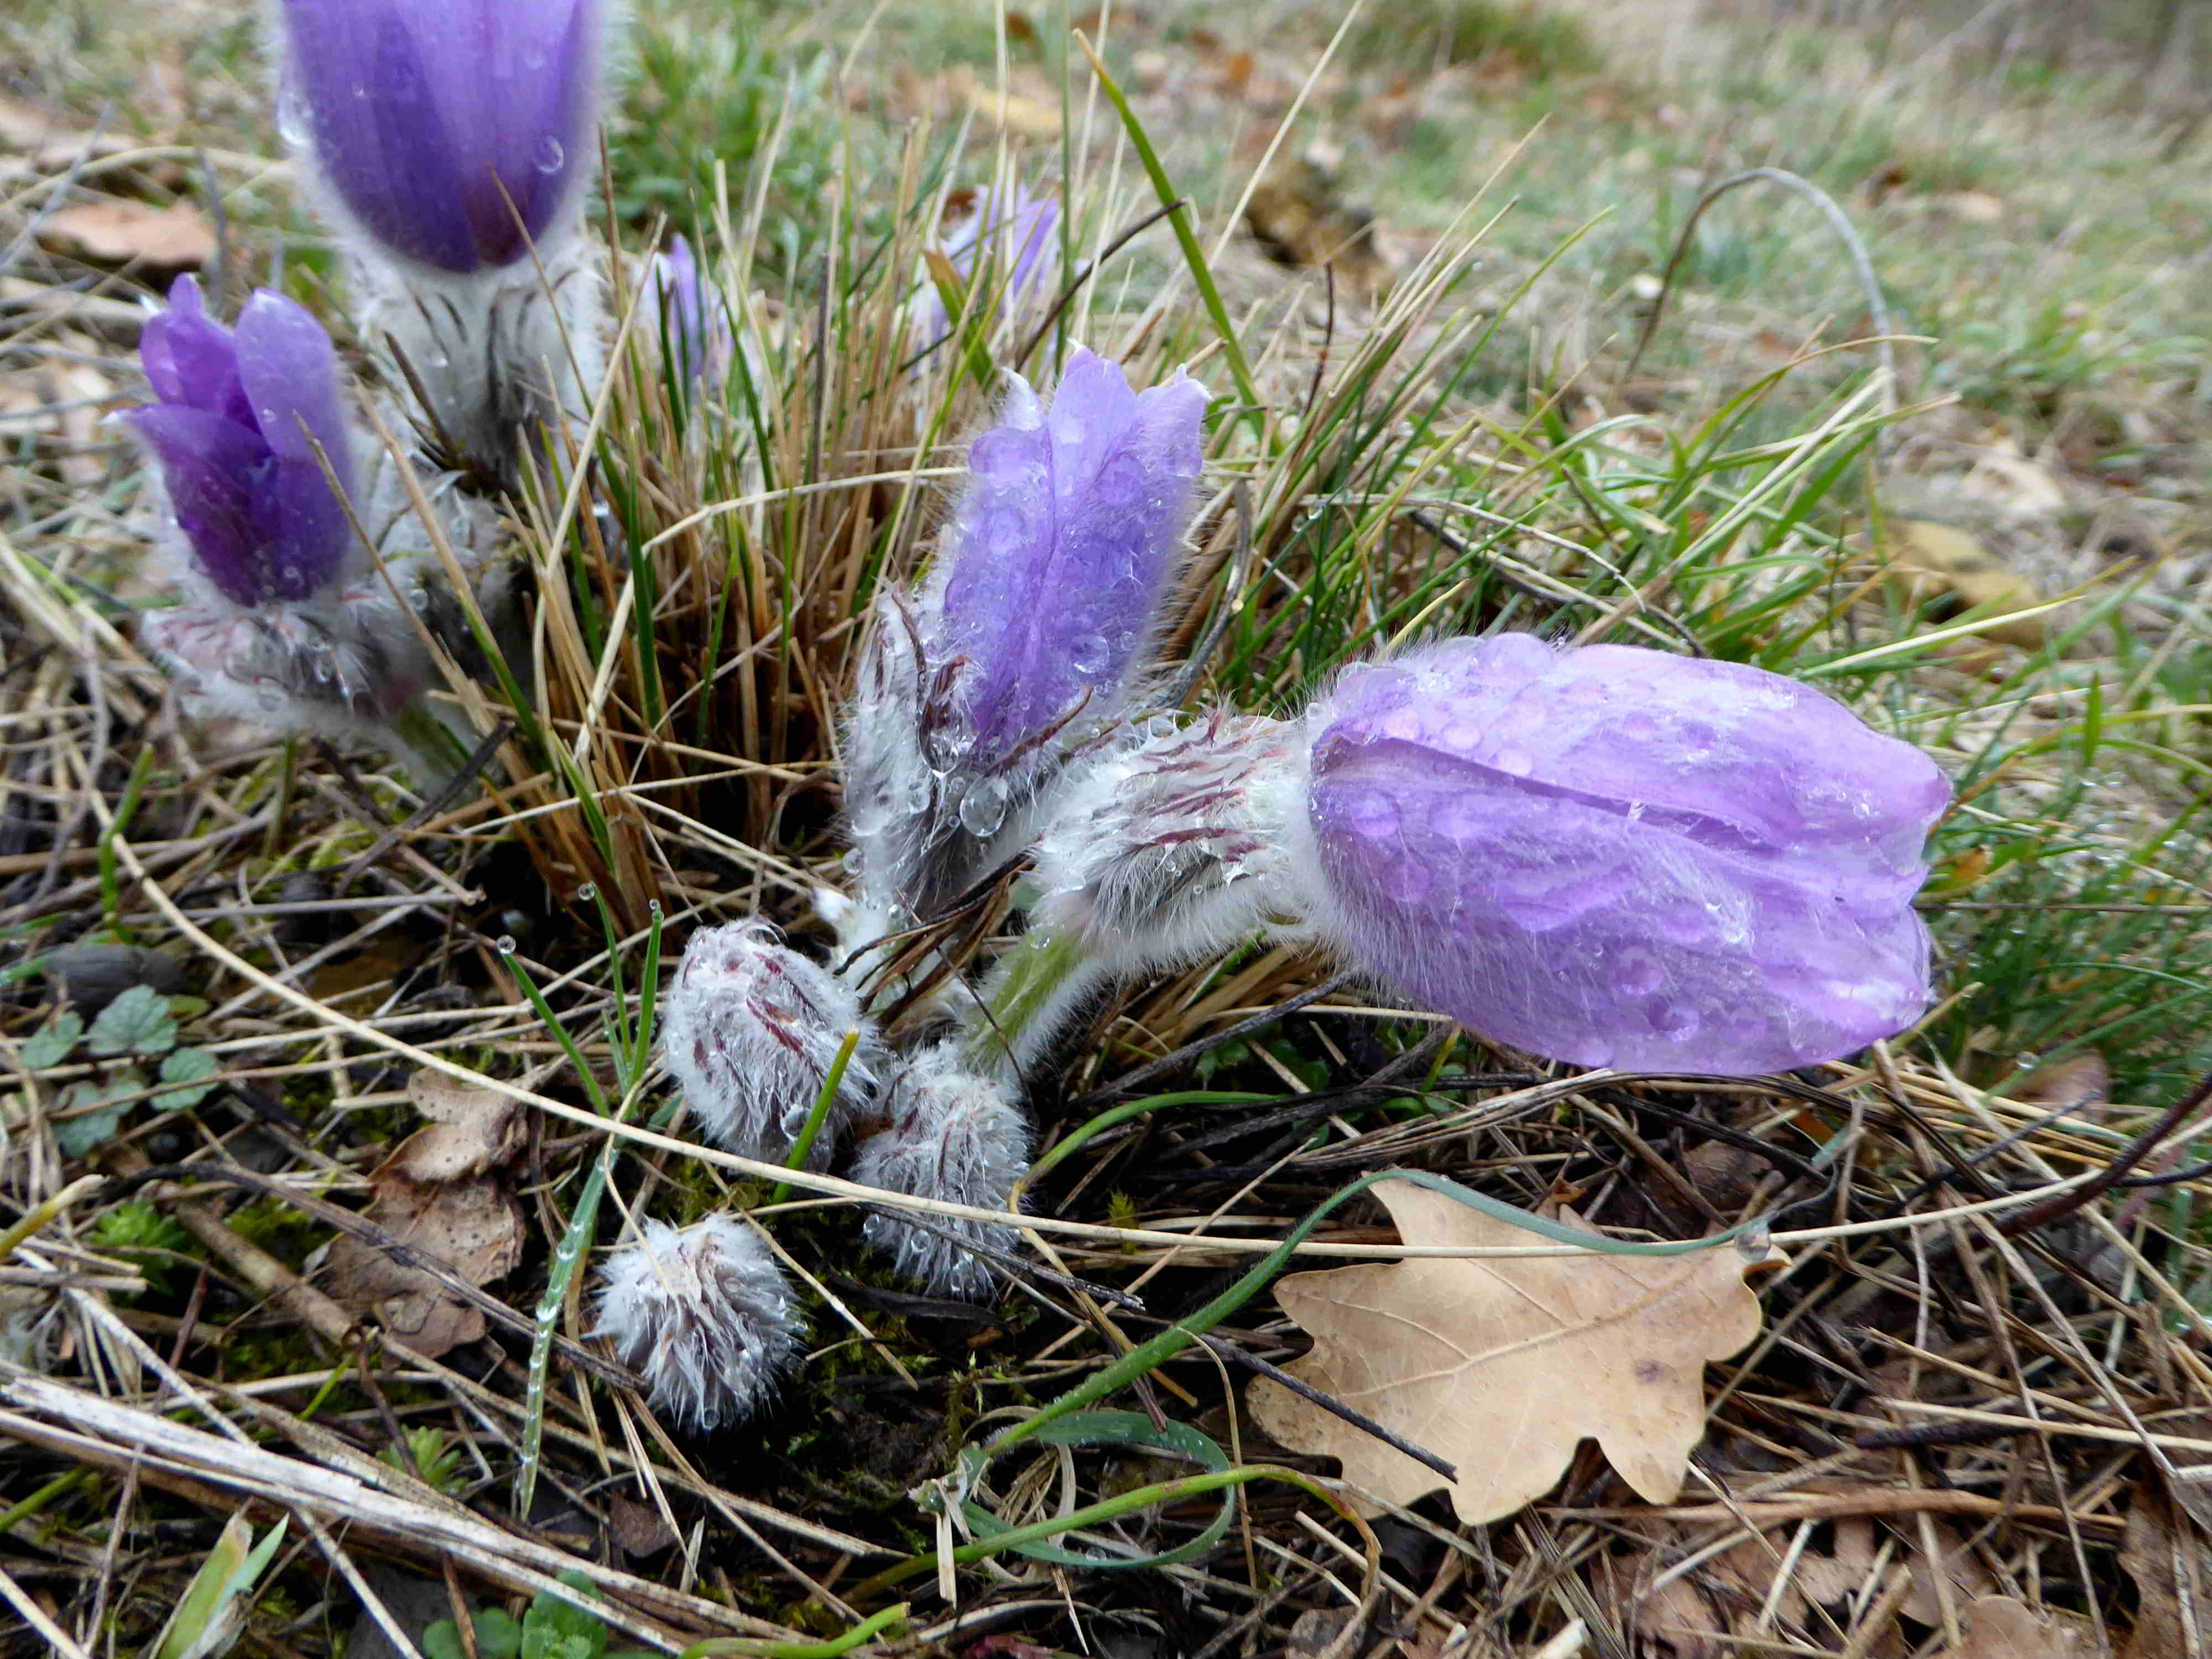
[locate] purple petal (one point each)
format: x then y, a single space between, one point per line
1064 545
439 122
1615 857
190 358
290 373
210 467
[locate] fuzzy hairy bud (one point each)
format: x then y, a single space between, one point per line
704 1315
958 1138
750 1030
1616 857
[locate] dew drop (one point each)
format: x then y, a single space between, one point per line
1089 655
587 892
505 944
1120 479
549 155
983 807
653 907
1518 762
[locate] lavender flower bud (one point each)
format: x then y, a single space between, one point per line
704 1315
1025 639
1008 239
236 421
1615 857
697 333
957 1137
750 1030
457 133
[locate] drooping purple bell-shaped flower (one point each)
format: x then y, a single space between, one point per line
1616 857
457 133
1028 633
238 417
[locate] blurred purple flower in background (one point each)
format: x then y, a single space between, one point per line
1008 239
697 332
237 418
1620 858
455 132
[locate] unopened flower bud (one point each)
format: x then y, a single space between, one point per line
1025 639
704 1315
1616 857
750 1030
957 1137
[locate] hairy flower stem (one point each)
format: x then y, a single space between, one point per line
1030 992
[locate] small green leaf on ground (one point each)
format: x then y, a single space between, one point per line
50 1043
83 1120
136 1023
192 1068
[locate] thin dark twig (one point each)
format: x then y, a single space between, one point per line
2062 1204
401 1253
1129 1082
454 788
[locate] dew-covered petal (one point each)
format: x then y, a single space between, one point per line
191 359
453 130
1064 545
1620 858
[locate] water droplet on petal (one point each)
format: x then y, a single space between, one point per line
983 807
549 155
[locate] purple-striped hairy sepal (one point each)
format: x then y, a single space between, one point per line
456 135
1022 644
704 1315
1616 857
1008 239
957 1137
1174 848
750 1030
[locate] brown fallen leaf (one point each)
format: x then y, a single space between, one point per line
114 231
2001 1628
1504 1366
1930 559
441 1192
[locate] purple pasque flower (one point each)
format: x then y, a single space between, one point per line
1616 857
237 419
1027 635
457 133
1010 239
697 333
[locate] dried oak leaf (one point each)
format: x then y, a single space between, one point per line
441 1192
2002 1627
116 231
1504 1366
